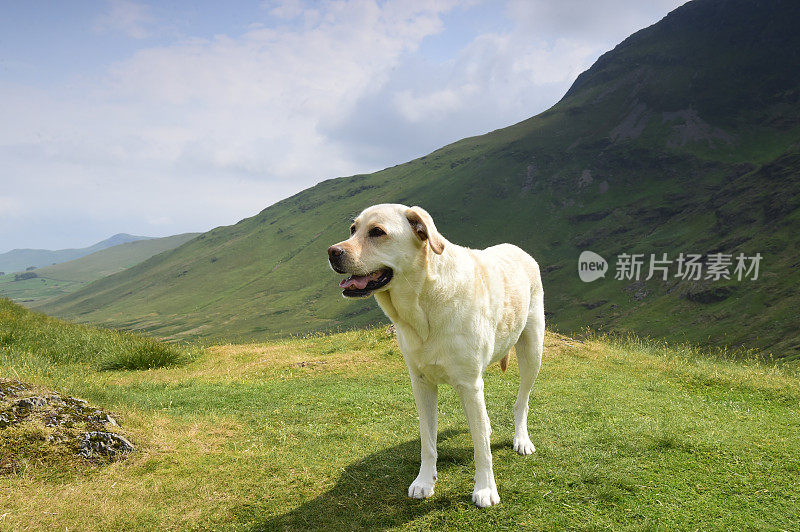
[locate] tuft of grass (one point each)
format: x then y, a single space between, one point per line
137 353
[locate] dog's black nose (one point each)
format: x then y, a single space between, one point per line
335 252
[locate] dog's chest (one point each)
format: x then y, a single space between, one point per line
437 361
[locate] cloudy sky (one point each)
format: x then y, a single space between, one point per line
156 118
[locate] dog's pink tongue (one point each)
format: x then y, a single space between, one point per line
359 281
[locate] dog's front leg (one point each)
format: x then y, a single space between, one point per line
425 395
485 492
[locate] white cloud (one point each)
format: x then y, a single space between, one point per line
252 104
287 9
9 207
126 17
206 131
432 105
497 79
587 20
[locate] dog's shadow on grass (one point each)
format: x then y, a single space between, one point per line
372 494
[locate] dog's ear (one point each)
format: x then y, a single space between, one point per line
422 224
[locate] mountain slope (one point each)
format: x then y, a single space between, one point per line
67 277
19 259
683 139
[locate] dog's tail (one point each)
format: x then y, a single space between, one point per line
504 362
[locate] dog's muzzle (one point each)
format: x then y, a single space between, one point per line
357 285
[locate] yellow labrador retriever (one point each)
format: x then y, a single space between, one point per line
456 310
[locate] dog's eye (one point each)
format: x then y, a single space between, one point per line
376 231
353 229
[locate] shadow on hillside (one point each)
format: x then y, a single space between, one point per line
371 494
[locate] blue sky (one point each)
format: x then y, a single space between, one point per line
156 118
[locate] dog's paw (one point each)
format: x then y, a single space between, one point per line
421 489
486 497
524 446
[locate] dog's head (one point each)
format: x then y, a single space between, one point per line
385 240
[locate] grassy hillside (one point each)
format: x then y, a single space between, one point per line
67 277
321 432
31 342
19 259
683 139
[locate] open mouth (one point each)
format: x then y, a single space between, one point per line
364 285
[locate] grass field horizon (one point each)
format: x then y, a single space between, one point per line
320 432
67 277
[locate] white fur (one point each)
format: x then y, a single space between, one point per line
455 313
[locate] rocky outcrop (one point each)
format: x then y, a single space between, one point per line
84 430
688 127
632 125
96 443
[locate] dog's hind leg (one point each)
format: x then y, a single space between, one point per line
529 356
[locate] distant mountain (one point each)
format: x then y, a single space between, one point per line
20 259
684 139
67 277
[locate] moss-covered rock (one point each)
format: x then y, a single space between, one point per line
33 419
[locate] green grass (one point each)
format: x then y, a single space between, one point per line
320 432
42 342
